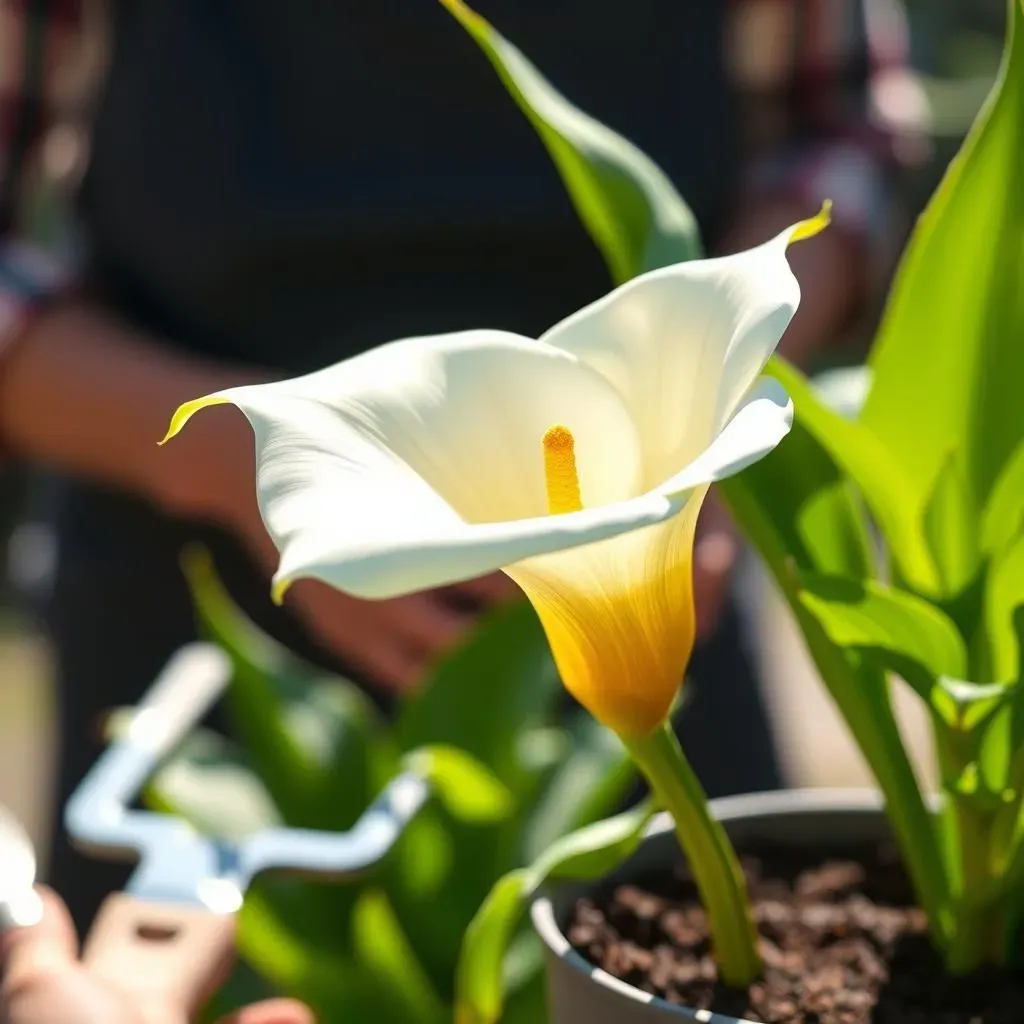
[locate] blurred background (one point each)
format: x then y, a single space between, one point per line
955 46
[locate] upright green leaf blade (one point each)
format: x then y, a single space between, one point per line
482 696
482 699
256 659
316 739
384 950
1004 595
1003 518
631 209
952 527
948 360
590 783
796 500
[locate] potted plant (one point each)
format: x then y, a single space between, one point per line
584 482
934 464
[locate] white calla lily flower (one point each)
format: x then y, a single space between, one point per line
432 460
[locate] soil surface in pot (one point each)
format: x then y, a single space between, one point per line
842 943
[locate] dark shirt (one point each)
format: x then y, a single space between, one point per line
289 184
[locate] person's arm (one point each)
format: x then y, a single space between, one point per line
91 396
809 75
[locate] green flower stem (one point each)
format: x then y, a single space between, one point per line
711 856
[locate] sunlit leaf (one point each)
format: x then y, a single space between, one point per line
1004 595
631 209
587 854
483 698
964 705
952 528
1003 519
467 789
948 360
315 738
906 632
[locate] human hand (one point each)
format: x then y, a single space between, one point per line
396 641
44 982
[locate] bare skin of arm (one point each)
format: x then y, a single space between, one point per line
84 393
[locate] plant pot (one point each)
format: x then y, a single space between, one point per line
580 993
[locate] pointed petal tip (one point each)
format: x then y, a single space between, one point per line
813 225
278 589
186 411
463 13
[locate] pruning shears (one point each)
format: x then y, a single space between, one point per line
173 927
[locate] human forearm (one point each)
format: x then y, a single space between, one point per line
87 394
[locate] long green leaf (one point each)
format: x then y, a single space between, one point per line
858 687
811 508
256 660
208 783
1003 518
482 696
384 950
948 360
482 699
952 528
587 854
1004 594
590 783
316 739
467 789
631 209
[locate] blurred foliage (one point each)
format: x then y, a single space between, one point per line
311 750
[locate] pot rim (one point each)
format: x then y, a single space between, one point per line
762 805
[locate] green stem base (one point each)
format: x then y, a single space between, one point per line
716 869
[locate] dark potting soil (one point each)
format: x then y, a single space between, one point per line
841 941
